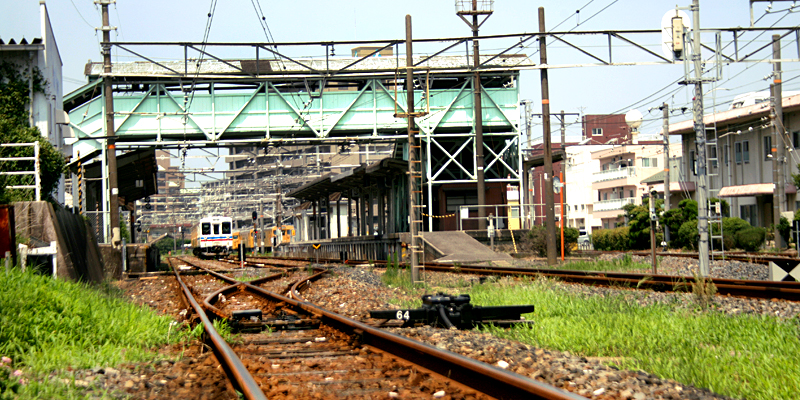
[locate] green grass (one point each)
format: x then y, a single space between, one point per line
624 264
751 357
399 277
51 326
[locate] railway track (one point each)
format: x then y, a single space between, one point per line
726 287
755 258
290 348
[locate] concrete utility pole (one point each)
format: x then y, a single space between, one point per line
111 154
549 198
776 119
665 128
700 133
478 109
527 189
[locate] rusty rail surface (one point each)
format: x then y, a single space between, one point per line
233 366
490 380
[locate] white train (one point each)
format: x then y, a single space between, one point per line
212 236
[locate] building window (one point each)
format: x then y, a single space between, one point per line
737 150
767 147
597 131
605 196
725 152
748 213
796 139
650 162
693 160
630 193
746 151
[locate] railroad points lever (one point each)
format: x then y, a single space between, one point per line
455 311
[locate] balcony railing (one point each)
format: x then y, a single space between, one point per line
615 204
611 174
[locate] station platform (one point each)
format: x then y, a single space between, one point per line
458 247
446 247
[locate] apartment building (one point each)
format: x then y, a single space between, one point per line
619 177
739 159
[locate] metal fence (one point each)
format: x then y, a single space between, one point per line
97 221
36 176
514 216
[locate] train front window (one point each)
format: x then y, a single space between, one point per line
216 229
226 228
206 228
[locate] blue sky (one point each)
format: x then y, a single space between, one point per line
594 90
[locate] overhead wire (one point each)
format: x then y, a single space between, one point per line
81 15
206 33
262 20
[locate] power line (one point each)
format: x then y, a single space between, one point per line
81 15
262 20
211 9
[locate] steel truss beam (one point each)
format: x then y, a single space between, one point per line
267 112
325 66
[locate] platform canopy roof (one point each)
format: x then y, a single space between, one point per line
360 176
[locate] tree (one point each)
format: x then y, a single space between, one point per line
536 240
638 218
796 178
675 218
14 128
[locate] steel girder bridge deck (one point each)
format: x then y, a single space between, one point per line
215 102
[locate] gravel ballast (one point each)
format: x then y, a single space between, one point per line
354 291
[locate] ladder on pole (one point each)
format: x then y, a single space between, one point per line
418 243
716 242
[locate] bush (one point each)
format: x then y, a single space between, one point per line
751 239
570 238
638 227
733 225
688 237
612 239
676 217
536 240
785 230
730 227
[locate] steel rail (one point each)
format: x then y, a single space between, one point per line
733 287
480 376
755 258
233 366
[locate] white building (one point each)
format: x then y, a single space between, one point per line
45 109
603 179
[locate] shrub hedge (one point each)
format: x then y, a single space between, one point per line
612 239
751 239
